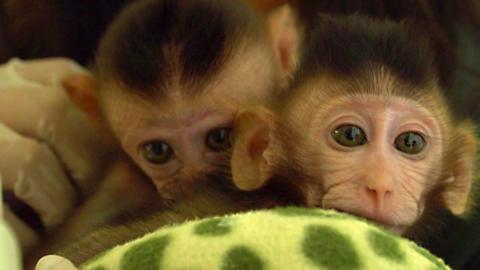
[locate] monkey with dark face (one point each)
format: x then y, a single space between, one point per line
364 129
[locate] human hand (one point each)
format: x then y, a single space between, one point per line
51 153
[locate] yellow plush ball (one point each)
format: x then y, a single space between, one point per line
282 238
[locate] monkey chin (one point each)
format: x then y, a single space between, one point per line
396 229
383 222
388 224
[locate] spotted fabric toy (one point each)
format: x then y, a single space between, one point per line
282 238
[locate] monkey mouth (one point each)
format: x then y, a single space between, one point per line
395 228
381 221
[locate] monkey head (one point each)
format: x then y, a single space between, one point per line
171 76
364 129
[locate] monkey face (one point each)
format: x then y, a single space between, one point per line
367 149
364 128
172 140
181 136
377 157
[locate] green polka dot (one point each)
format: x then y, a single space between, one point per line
99 268
306 212
425 253
328 248
146 255
213 227
241 258
385 246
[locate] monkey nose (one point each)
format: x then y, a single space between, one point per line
193 169
378 195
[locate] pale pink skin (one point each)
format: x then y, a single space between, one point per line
375 180
184 121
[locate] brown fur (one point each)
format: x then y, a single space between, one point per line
140 76
440 19
360 60
215 196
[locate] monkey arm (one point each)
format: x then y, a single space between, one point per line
122 192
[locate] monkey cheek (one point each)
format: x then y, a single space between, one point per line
163 184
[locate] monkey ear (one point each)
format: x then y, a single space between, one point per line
251 137
462 170
284 35
81 89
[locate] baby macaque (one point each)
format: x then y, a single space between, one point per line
364 129
170 77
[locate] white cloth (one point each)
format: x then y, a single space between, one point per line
9 251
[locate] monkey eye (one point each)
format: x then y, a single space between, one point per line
349 135
410 142
157 152
218 139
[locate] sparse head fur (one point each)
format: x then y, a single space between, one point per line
356 46
173 74
359 56
156 44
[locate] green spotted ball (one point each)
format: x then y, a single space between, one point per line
282 238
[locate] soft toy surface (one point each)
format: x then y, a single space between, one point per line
282 238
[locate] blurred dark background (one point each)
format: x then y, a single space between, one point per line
47 28
32 29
